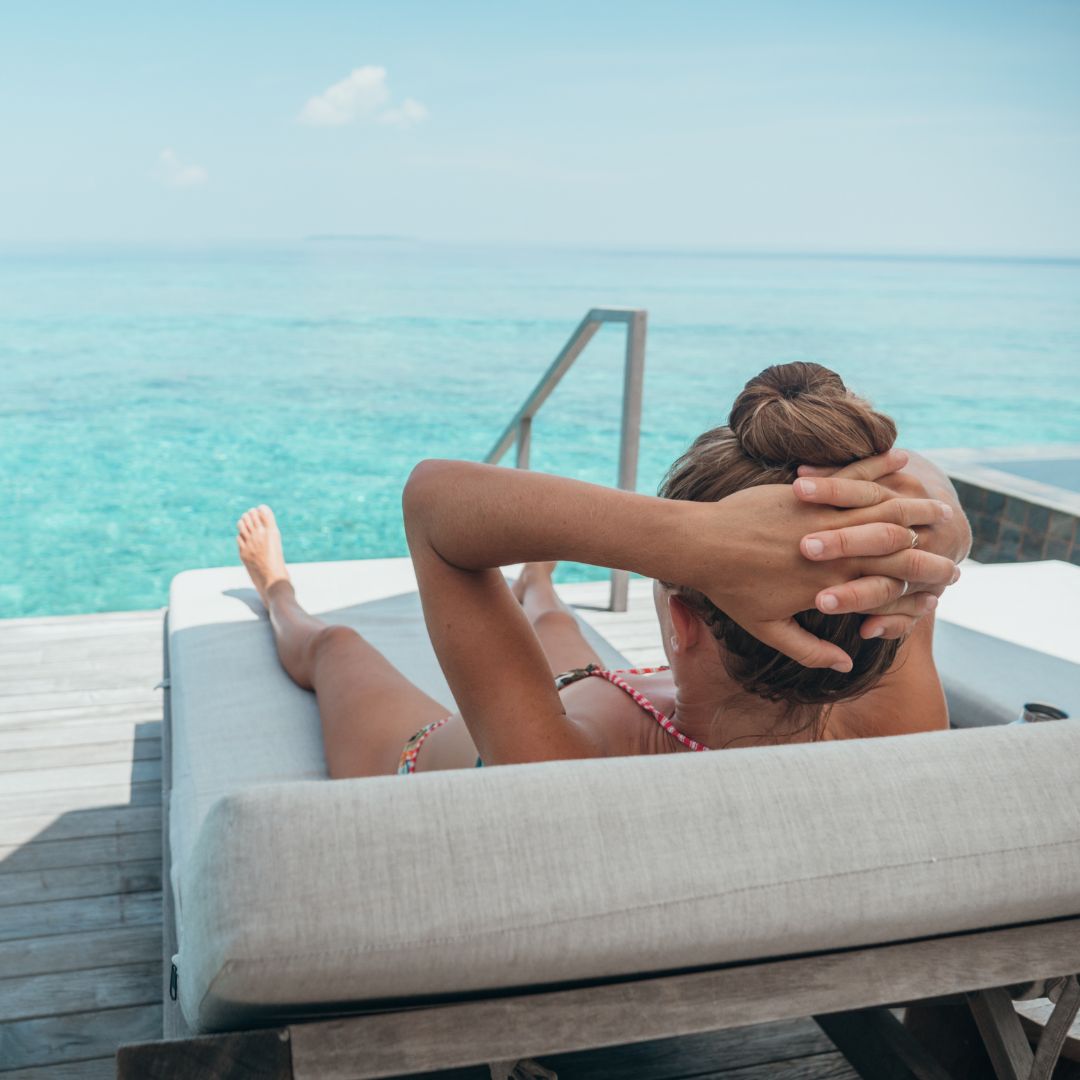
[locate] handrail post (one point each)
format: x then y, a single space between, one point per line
518 432
630 437
524 443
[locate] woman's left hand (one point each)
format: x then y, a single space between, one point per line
867 483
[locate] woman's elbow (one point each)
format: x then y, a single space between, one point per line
421 492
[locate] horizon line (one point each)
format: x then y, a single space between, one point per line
343 240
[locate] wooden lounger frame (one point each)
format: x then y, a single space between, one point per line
849 993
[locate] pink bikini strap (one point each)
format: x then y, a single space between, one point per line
407 762
643 702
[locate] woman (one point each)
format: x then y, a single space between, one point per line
737 551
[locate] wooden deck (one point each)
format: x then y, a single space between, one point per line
80 861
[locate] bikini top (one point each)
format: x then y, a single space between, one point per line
407 761
615 678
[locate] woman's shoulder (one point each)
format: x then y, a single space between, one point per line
618 718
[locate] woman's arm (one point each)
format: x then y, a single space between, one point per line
464 521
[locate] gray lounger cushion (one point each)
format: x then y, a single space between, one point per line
1007 634
238 719
300 893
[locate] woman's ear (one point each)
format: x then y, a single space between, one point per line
685 626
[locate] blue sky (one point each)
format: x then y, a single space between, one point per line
813 126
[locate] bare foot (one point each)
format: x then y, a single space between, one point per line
531 573
259 541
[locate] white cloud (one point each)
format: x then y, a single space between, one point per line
174 173
362 96
406 114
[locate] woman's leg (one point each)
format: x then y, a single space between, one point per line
560 635
367 707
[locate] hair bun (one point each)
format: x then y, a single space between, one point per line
802 413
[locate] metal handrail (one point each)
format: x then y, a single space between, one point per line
519 430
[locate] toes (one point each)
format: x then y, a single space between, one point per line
266 514
247 524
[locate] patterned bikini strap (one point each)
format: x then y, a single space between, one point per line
615 678
577 674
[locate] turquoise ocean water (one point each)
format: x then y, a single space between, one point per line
148 397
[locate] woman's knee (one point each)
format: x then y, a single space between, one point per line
556 621
331 642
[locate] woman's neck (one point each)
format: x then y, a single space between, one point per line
733 718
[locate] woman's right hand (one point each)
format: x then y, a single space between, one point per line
893 475
758 574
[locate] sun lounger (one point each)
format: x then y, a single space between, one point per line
382 926
1006 634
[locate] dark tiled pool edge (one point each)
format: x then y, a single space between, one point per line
1008 528
1014 519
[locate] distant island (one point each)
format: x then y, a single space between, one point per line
359 238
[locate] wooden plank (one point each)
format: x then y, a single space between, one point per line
90 659
258 1055
72 882
80 654
81 722
1033 1016
16 632
127 656
21 633
696 1054
72 777
81 755
532 1025
98 1069
55 1039
262 1055
75 714
89 989
70 952
79 800
47 854
878 1047
15 703
73 916
50 642
71 825
40 736
93 618
119 673
820 1067
1002 1033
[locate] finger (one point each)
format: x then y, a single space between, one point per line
907 511
832 491
816 470
864 594
879 538
920 568
874 468
788 637
916 604
888 627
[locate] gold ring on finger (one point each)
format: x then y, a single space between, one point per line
914 538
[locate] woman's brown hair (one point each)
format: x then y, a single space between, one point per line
789 415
